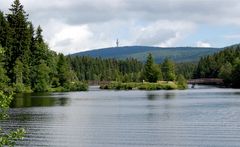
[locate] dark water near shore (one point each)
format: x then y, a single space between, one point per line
196 117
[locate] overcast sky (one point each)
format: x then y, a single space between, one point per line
77 25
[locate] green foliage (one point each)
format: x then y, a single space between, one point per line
3 77
42 78
5 101
177 54
11 137
225 73
140 86
168 70
63 70
98 69
186 69
19 87
26 63
76 86
18 72
181 82
8 138
236 74
221 65
151 70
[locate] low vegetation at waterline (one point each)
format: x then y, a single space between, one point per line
161 85
7 137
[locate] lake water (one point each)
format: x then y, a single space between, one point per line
206 116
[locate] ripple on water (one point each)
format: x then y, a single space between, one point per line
195 117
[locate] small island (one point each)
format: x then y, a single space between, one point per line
157 77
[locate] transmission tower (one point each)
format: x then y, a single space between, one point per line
117 43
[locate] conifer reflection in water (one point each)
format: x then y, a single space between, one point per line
38 100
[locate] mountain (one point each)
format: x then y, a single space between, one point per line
178 54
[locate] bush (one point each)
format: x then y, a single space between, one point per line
181 82
76 86
8 138
21 88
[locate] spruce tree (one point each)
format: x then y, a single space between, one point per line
3 30
20 36
42 78
151 71
168 70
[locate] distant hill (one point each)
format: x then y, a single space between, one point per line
178 54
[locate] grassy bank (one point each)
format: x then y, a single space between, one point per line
163 85
73 86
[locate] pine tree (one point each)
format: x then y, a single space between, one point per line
3 30
3 77
168 70
42 78
151 71
63 69
18 72
20 37
225 73
236 74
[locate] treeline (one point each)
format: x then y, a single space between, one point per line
98 69
129 70
224 65
27 63
152 76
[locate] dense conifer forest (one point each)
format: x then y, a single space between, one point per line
224 65
27 63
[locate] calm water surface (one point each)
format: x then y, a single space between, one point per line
195 117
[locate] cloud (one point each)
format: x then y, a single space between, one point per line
233 36
163 33
71 38
77 25
203 44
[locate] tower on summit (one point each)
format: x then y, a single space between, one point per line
117 43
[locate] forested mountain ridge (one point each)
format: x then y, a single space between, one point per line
177 54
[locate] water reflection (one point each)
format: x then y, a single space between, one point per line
169 96
37 100
129 118
152 96
155 96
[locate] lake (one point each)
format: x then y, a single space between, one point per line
205 116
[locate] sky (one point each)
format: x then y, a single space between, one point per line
71 26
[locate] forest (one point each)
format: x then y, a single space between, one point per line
28 65
224 65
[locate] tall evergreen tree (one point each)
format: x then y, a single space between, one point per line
3 77
18 72
42 78
3 30
168 70
20 36
63 70
236 74
151 71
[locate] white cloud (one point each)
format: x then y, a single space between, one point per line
164 33
77 25
233 36
203 44
71 39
